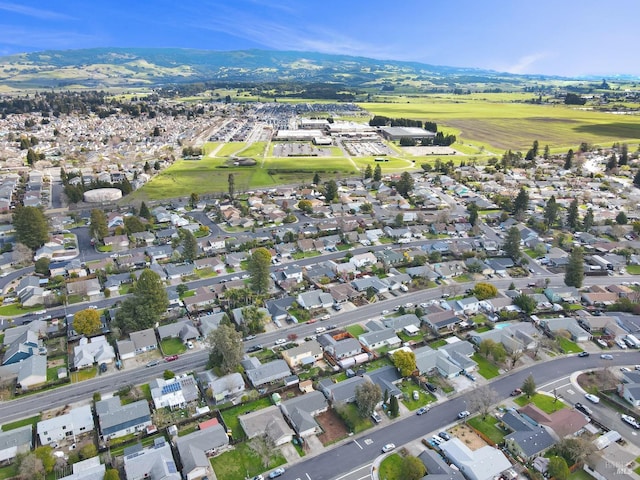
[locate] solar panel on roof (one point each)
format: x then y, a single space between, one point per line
171 388
171 467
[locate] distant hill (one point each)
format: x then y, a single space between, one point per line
122 67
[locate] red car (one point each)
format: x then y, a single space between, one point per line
171 358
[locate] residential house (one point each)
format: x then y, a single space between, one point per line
564 422
15 442
314 299
444 320
516 338
436 466
528 438
386 378
202 300
175 272
555 325
306 353
279 308
159 253
629 388
300 412
153 463
341 392
92 351
22 346
379 338
144 340
214 263
117 420
185 330
196 448
397 324
226 387
175 392
89 469
79 420
30 292
117 242
267 421
429 360
143 238
340 348
210 322
89 288
485 463
261 374
28 372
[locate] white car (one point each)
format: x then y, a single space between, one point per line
631 421
606 356
592 398
280 341
388 447
464 414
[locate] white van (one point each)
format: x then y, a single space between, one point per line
321 330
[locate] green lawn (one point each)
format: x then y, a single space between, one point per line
391 468
488 427
568 346
301 255
424 398
485 367
242 463
84 374
580 474
231 415
438 343
484 328
21 423
172 346
14 310
633 269
355 330
543 402
9 471
349 413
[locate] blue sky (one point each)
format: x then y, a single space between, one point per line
554 37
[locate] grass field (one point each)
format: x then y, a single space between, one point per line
568 346
173 346
488 427
485 368
21 423
391 468
231 415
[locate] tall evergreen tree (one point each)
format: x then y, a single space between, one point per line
546 153
31 226
636 179
368 172
574 273
148 302
330 191
316 178
511 244
551 210
624 155
572 215
189 245
588 220
98 227
258 268
568 160
404 186
473 213
231 182
377 173
521 203
612 163
144 211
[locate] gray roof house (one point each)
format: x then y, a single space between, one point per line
436 466
528 439
196 448
144 340
341 349
185 329
314 299
210 322
116 420
15 442
301 410
380 338
268 372
153 463
386 378
226 386
267 421
398 323
517 337
341 392
485 463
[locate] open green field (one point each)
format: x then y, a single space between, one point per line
498 124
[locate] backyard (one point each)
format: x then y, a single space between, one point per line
488 427
230 416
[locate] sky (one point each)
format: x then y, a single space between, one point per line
550 37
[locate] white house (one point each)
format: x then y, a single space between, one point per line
94 350
77 421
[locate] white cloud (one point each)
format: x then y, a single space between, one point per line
33 12
524 64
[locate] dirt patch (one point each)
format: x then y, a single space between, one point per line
467 436
59 362
333 428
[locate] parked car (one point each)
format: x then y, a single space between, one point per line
422 411
321 330
606 356
152 363
437 440
332 327
464 414
325 317
171 358
630 420
388 447
258 477
189 345
385 312
444 435
276 473
583 354
625 369
592 398
257 347
516 392
415 395
281 341
431 387
583 408
375 416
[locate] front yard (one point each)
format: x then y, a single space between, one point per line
546 403
567 345
488 427
486 368
172 346
424 398
241 463
353 420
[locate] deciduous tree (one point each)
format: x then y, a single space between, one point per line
412 468
558 468
529 386
148 302
483 290
86 322
481 399
98 227
367 395
526 303
405 362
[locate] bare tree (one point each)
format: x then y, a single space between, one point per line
482 399
31 467
513 358
577 449
21 254
264 447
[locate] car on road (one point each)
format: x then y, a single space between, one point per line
255 348
375 416
385 312
332 327
281 341
321 330
583 408
516 392
637 367
606 356
388 447
249 337
630 420
422 411
325 317
444 435
464 414
277 473
592 398
583 354
625 369
408 305
170 358
152 363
